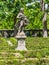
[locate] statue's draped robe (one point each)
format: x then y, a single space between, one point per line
22 21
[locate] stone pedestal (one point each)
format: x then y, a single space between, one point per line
21 42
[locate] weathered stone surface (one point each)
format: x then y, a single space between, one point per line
22 21
21 43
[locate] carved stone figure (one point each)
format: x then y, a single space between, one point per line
5 34
22 21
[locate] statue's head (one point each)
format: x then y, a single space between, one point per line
21 10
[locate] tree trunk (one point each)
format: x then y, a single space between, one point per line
44 20
45 25
42 5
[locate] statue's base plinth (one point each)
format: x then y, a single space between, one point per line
21 42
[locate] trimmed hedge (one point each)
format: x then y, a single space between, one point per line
32 43
35 43
25 62
37 47
37 53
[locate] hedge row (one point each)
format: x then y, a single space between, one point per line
25 54
25 62
32 43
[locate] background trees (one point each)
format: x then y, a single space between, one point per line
8 13
35 16
44 19
10 8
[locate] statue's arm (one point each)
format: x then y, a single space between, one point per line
18 16
26 19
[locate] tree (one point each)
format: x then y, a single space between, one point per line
8 12
44 19
35 16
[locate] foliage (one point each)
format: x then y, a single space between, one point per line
48 21
10 8
46 1
36 46
35 16
26 62
31 43
37 53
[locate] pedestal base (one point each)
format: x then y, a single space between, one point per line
21 43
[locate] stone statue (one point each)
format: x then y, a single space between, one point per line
22 21
5 34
